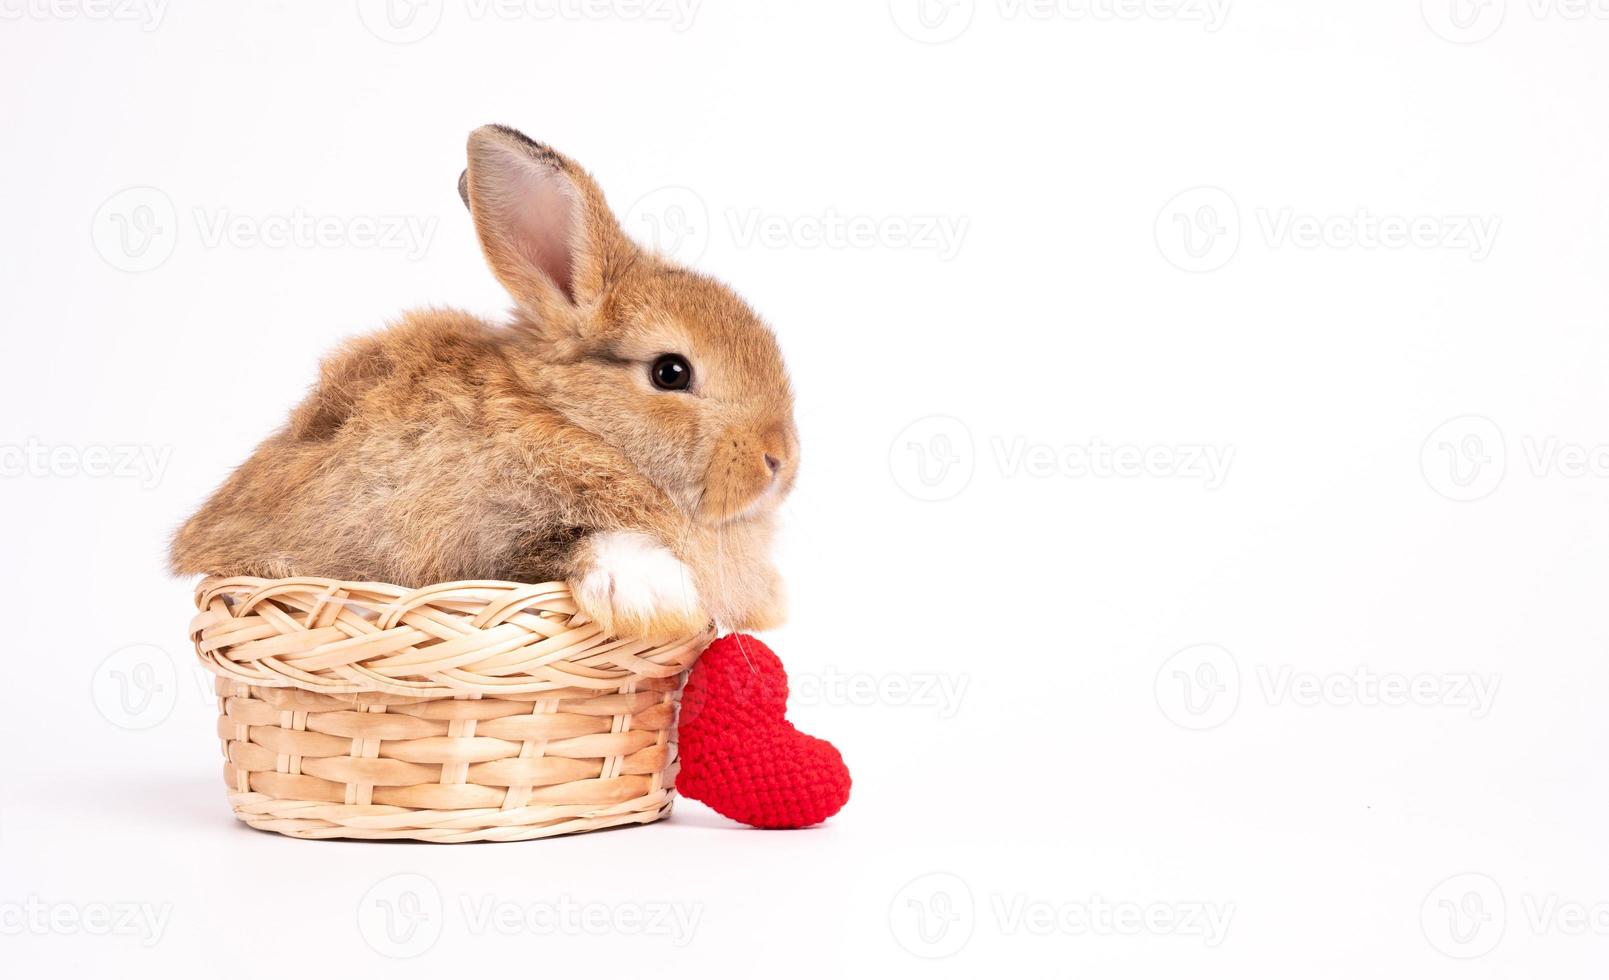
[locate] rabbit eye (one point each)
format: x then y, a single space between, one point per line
671 372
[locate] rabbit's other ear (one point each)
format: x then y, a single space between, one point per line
547 232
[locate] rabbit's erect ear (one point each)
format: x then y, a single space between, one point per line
543 224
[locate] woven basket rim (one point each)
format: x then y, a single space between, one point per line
448 639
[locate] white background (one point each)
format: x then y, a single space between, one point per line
1354 252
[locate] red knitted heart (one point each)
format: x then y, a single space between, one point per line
739 754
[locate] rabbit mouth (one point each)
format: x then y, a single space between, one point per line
730 497
749 473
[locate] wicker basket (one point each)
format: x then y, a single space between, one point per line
460 712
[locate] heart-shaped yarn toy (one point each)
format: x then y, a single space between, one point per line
739 754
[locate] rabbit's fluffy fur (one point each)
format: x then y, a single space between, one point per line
447 448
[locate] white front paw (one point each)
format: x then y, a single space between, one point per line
633 586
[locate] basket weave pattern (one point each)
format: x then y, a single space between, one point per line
458 712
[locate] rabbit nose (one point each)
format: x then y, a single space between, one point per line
772 463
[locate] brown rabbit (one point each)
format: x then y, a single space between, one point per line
630 431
